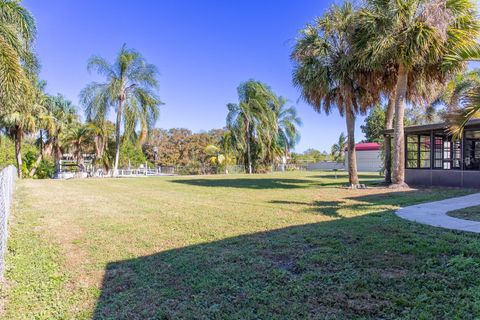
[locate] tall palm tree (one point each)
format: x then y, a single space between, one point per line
328 74
287 126
252 121
130 88
415 36
338 149
60 114
17 32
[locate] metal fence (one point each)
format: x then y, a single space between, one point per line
7 183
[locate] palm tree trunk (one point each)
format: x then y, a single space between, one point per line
388 139
352 159
47 148
18 150
117 137
99 145
249 155
143 134
399 135
57 153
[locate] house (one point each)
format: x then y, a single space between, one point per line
368 156
434 158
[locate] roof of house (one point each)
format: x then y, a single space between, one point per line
366 146
434 126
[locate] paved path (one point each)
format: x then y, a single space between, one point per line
435 213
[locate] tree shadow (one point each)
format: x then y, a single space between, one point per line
378 200
327 208
271 183
357 267
408 197
253 183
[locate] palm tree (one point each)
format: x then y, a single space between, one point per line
328 74
17 32
454 91
338 149
130 88
23 119
101 131
252 121
214 155
60 114
469 109
416 36
17 124
287 126
79 140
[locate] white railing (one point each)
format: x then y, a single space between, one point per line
139 172
7 184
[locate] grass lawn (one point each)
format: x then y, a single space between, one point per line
279 246
470 213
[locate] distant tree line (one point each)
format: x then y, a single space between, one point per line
194 152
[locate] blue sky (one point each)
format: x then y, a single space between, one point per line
203 50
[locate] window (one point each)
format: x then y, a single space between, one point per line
472 150
418 151
412 151
447 153
456 155
438 153
424 161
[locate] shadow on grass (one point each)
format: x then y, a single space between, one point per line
404 198
370 202
327 208
359 267
271 183
261 275
253 183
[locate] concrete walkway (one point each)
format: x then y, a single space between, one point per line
435 213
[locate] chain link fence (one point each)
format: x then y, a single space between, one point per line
7 182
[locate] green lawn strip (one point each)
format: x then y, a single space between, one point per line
36 280
470 213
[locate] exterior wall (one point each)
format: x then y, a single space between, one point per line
367 160
446 178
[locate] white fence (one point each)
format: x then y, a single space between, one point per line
139 172
7 183
180 170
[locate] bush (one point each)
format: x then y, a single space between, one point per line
131 154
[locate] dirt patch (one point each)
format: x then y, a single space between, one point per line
284 261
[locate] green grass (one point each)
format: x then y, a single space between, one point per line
470 213
280 246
